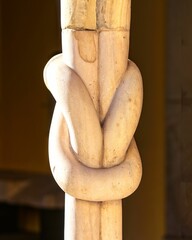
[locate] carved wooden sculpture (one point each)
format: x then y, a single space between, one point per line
93 154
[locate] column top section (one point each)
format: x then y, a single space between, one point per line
95 14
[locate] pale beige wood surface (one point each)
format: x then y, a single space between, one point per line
93 155
74 178
114 45
94 14
82 219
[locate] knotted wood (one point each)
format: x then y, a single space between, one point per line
93 155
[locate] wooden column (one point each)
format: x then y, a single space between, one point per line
93 155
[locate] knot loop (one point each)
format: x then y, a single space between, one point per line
78 140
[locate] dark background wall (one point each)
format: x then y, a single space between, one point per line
29 36
161 45
179 119
145 209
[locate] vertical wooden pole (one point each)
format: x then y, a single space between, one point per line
93 155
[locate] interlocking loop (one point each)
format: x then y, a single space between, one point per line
75 125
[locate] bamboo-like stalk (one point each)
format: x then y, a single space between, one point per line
93 155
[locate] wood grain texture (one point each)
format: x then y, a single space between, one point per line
93 155
94 14
114 45
74 177
78 14
82 219
113 14
79 103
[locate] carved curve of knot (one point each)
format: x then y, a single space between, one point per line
75 123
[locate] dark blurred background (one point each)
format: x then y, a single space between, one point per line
31 203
